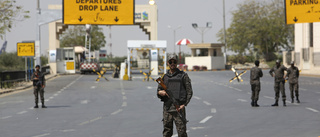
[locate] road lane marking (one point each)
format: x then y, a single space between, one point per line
68 130
198 98
84 101
22 112
90 121
207 103
116 112
313 110
303 89
205 119
123 93
51 97
31 108
93 87
42 135
268 97
249 93
47 100
213 110
124 98
242 100
149 87
6 117
59 91
124 104
237 89
195 128
55 95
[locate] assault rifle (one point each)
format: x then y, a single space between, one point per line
173 100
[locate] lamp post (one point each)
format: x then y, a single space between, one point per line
202 30
224 33
174 36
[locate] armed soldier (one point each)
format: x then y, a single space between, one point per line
255 75
293 76
179 84
279 80
39 83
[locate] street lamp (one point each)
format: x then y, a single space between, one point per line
202 30
152 2
174 36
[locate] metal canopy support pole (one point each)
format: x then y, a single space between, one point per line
37 61
165 62
85 45
89 48
26 68
128 62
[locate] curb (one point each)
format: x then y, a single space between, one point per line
22 88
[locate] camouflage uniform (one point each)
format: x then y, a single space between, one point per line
293 75
37 84
279 81
255 74
169 111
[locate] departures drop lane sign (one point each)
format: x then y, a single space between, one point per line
302 11
98 12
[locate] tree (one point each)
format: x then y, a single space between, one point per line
10 61
75 36
10 13
258 27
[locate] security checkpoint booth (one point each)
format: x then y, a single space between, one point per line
153 48
65 59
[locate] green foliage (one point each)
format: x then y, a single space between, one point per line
44 60
241 59
75 36
12 62
258 27
10 13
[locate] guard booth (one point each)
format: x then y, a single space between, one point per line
209 55
151 47
65 60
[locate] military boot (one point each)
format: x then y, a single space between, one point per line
284 103
275 103
36 106
292 100
298 101
252 103
256 104
43 106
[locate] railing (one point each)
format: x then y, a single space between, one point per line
10 79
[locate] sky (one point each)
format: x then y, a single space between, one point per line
170 13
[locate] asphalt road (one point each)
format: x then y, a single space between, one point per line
78 106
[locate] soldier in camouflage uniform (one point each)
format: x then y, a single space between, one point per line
39 83
293 75
255 75
179 83
279 80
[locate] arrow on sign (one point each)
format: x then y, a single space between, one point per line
80 19
116 19
295 19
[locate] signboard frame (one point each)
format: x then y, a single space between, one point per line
26 43
133 17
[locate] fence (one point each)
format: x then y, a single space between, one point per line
9 79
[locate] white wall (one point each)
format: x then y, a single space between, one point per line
209 62
316 37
